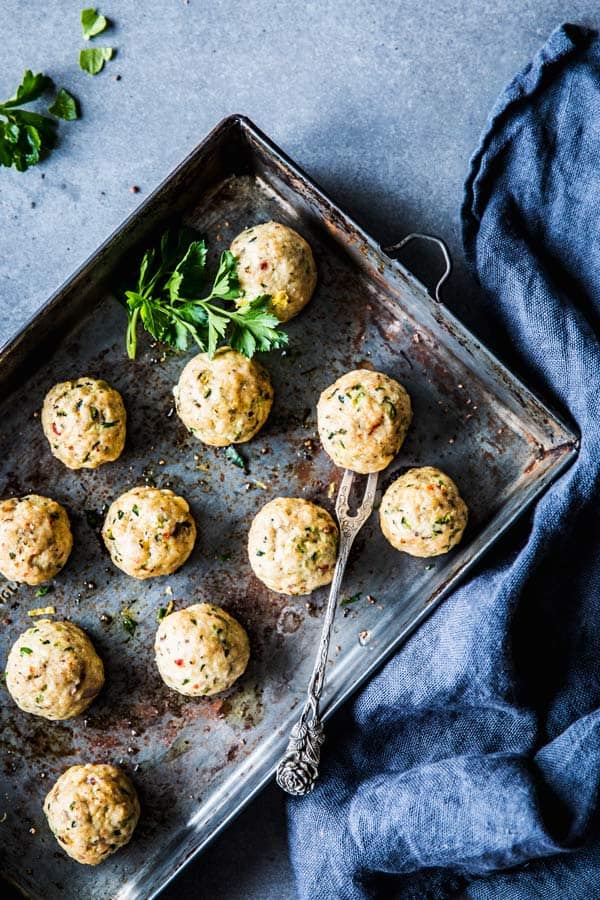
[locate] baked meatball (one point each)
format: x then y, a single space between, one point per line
223 400
35 538
422 513
201 650
53 670
363 419
149 532
84 422
293 546
274 259
92 811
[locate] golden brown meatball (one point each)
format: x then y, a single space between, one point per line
274 259
363 419
292 546
422 513
201 650
53 670
223 400
35 538
92 811
149 532
84 422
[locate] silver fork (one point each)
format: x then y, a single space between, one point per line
299 767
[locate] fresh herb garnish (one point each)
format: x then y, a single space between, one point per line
26 137
64 106
92 23
235 457
353 599
92 59
167 299
47 589
129 623
165 611
25 651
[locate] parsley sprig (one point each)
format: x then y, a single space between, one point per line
26 137
168 301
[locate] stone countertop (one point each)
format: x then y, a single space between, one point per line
382 103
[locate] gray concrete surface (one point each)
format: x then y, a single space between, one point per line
381 102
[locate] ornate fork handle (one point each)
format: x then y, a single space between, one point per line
299 767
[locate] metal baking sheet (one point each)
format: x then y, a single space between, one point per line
196 762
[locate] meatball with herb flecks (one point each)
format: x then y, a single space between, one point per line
84 421
92 810
274 259
292 546
201 650
35 538
363 419
149 532
422 513
53 670
224 400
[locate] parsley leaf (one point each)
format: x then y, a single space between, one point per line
26 137
92 23
64 106
31 87
235 457
346 600
167 300
129 623
92 59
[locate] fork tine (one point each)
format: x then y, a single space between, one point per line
343 498
369 498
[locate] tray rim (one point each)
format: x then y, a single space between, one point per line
568 450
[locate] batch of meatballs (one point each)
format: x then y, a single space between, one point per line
53 669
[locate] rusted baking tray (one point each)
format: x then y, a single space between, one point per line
196 762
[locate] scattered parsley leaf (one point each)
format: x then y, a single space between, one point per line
31 87
92 59
165 611
26 137
236 458
353 599
64 106
166 300
92 23
47 589
25 651
129 623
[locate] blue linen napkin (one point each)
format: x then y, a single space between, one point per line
477 748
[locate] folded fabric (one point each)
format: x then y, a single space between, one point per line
477 748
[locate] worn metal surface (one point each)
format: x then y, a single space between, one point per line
196 761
